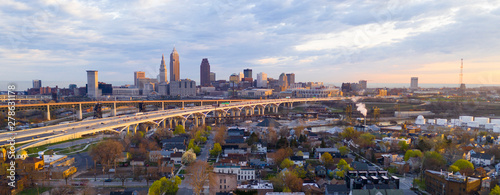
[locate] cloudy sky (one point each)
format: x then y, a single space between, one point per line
328 41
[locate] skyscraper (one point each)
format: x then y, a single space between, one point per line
163 71
283 82
204 73
92 85
138 75
414 83
362 84
37 84
247 73
262 80
290 78
174 66
212 77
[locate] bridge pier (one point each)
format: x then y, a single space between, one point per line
113 112
203 120
80 114
196 121
170 123
128 129
48 112
269 109
135 128
182 104
175 123
164 123
162 105
184 123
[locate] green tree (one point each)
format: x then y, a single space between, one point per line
197 149
179 129
208 128
300 171
191 144
343 150
287 163
173 185
453 168
349 133
403 146
216 150
300 153
412 153
495 190
433 161
464 166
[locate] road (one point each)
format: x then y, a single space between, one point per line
185 188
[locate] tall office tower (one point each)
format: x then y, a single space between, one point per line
362 84
283 81
92 85
163 71
212 77
241 76
290 78
262 80
247 73
138 75
414 83
174 66
204 73
37 84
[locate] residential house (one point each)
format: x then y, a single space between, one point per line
176 157
482 159
261 188
337 189
333 151
243 173
224 182
298 160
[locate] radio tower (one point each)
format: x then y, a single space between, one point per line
462 85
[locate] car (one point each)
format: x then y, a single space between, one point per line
108 180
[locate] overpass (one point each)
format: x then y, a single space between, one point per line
51 134
113 105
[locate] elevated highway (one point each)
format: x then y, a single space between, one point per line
172 117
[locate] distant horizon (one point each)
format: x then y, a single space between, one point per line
25 85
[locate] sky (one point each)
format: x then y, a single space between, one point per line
325 41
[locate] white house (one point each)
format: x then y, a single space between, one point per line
243 173
482 159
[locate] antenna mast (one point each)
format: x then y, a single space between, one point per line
461 71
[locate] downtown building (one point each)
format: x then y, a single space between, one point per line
205 80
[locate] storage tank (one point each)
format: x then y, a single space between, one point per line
466 118
431 121
496 129
455 122
441 121
482 120
490 126
495 121
420 120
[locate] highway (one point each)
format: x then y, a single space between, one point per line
56 133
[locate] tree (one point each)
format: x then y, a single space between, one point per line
287 163
107 151
433 161
287 179
281 155
254 138
220 134
298 131
495 190
343 150
300 171
403 146
208 128
349 133
453 168
327 158
188 157
365 140
272 136
412 153
179 129
200 173
216 150
464 166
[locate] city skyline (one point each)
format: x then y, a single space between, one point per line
378 42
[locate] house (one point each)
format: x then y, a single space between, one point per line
482 159
175 147
258 163
337 189
468 154
224 183
320 171
297 160
332 151
159 154
261 149
176 157
137 162
261 188
178 140
243 173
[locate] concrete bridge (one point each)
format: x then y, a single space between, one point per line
172 117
